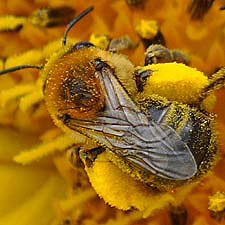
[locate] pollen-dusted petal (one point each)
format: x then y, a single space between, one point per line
216 55
147 28
1 64
198 201
15 92
100 25
29 57
196 32
99 40
9 148
220 183
217 202
37 207
31 99
175 81
11 23
77 200
50 134
22 193
201 221
126 219
52 47
58 144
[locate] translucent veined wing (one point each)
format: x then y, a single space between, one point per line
127 131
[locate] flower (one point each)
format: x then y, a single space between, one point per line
39 185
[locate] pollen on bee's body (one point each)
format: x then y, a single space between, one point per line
164 82
72 87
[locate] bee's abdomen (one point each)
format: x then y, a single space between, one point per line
194 128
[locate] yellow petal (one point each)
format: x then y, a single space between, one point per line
37 208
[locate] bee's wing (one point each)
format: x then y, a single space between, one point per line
127 131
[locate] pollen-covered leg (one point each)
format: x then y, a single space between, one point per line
89 156
216 81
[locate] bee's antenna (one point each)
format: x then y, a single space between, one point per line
74 21
12 69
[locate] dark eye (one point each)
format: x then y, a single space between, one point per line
82 44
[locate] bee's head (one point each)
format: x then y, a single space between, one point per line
71 86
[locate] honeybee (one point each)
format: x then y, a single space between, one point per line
163 143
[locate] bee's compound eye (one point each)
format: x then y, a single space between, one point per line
82 44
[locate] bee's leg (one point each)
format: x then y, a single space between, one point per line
74 157
216 81
71 169
88 156
78 156
178 215
81 154
141 77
